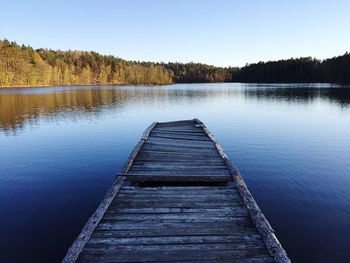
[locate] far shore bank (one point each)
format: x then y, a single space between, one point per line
79 85
154 85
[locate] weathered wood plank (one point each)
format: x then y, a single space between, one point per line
182 169
180 131
181 136
168 240
120 216
199 133
209 200
173 193
176 178
240 224
176 124
174 231
166 255
179 142
177 156
179 172
194 163
181 190
152 148
183 218
184 211
111 248
167 210
176 166
174 204
105 259
161 194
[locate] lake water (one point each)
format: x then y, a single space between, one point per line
61 147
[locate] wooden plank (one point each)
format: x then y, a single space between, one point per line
179 142
187 169
119 215
136 204
225 197
179 129
173 231
179 172
176 217
185 160
174 148
188 124
184 190
160 164
177 123
163 254
179 150
174 204
199 133
170 199
96 258
171 150
171 204
177 178
167 240
241 224
164 152
188 193
180 136
195 131
134 196
216 191
167 210
111 248
185 197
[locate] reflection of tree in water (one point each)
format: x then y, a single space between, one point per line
19 108
16 109
340 96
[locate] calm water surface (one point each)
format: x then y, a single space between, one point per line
61 147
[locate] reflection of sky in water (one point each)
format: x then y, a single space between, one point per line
62 146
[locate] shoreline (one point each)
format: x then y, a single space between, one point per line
79 85
153 85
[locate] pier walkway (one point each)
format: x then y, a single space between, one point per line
178 199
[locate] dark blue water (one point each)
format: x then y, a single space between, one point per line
61 147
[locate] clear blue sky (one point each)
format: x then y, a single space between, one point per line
218 32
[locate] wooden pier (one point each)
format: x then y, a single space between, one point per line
178 199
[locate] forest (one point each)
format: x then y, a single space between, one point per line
22 65
299 70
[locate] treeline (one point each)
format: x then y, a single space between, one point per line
24 66
334 70
199 73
